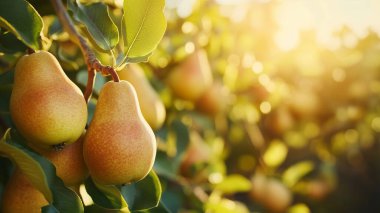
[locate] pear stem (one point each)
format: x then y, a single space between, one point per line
93 64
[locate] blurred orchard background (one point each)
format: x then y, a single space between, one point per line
279 110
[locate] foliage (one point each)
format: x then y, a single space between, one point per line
306 119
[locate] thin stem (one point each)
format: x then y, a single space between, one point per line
93 64
90 84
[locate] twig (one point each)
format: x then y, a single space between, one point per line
93 64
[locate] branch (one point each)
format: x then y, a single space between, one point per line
93 64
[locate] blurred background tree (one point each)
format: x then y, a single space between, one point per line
272 105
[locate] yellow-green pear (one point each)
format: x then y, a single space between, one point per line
120 146
46 106
152 107
192 77
21 196
69 162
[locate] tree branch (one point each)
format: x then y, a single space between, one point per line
93 64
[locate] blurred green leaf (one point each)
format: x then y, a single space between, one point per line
182 136
164 165
233 183
20 18
145 25
295 172
275 153
218 204
98 23
144 194
40 172
106 196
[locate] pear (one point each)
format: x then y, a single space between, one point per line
192 77
152 107
46 106
214 100
21 196
69 162
120 146
270 192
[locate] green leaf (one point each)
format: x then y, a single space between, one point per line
275 154
233 184
161 208
20 18
49 209
40 172
106 196
145 25
144 194
98 23
9 44
164 165
294 173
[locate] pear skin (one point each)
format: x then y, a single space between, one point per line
120 146
69 162
192 77
152 107
21 196
46 106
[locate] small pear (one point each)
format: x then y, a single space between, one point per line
69 162
21 196
120 146
152 107
197 152
214 100
192 77
46 106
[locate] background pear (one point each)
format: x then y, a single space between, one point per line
21 196
46 106
214 100
192 77
119 146
270 192
69 162
152 107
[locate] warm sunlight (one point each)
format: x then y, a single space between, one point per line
325 17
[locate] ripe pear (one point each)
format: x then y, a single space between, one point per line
152 107
192 77
271 193
69 162
21 196
120 146
46 106
214 100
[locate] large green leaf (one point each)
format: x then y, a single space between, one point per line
144 194
145 25
41 173
161 208
98 23
106 196
9 44
20 18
